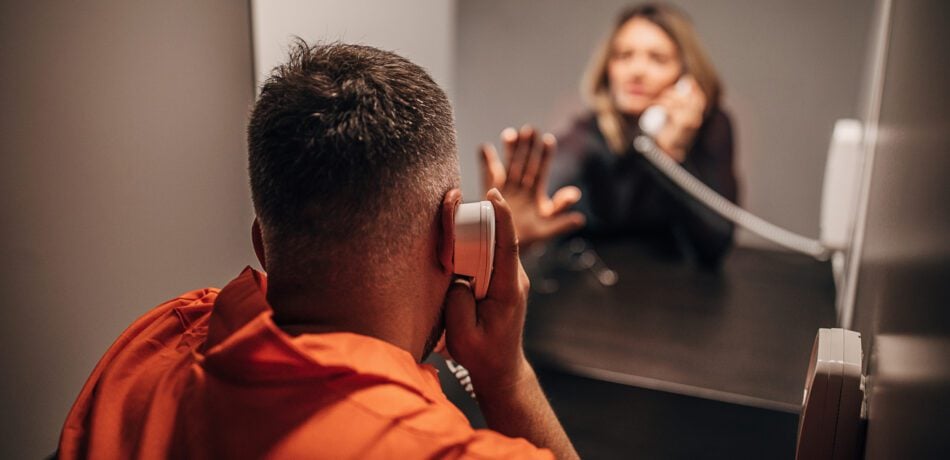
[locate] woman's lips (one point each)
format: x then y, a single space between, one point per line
636 91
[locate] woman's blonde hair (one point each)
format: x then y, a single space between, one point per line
596 86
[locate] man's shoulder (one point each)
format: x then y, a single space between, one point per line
441 427
383 418
135 364
177 314
165 322
433 430
160 328
192 305
203 296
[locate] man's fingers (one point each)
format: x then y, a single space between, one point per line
564 198
493 172
504 278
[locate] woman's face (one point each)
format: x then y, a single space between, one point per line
643 62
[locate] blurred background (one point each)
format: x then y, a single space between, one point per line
123 182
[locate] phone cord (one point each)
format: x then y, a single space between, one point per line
462 375
681 177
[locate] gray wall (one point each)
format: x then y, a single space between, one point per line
423 31
122 177
902 306
790 69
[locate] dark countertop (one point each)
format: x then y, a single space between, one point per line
741 335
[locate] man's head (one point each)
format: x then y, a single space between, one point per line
351 152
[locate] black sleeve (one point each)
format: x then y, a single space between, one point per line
711 161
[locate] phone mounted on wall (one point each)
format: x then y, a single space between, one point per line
475 244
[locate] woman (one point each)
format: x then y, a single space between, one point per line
652 57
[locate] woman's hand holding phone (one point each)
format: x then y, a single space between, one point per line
685 105
524 182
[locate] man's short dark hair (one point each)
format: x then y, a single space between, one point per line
349 144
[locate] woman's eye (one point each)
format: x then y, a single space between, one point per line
659 58
622 55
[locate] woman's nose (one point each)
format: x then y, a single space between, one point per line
636 68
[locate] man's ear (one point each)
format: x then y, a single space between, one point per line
446 246
257 239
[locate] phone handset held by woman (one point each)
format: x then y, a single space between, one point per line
654 118
651 122
474 260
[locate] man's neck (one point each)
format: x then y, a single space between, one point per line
376 311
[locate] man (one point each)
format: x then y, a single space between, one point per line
354 178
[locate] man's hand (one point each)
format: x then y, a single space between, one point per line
486 338
685 111
525 181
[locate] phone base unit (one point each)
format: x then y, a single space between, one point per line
830 423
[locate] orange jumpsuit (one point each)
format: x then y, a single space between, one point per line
209 375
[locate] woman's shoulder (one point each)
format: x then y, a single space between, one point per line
582 123
716 136
718 117
582 135
718 126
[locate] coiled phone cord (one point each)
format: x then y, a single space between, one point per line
645 145
462 375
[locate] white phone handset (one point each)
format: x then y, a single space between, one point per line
653 119
475 244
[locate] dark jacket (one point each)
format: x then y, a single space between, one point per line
625 196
